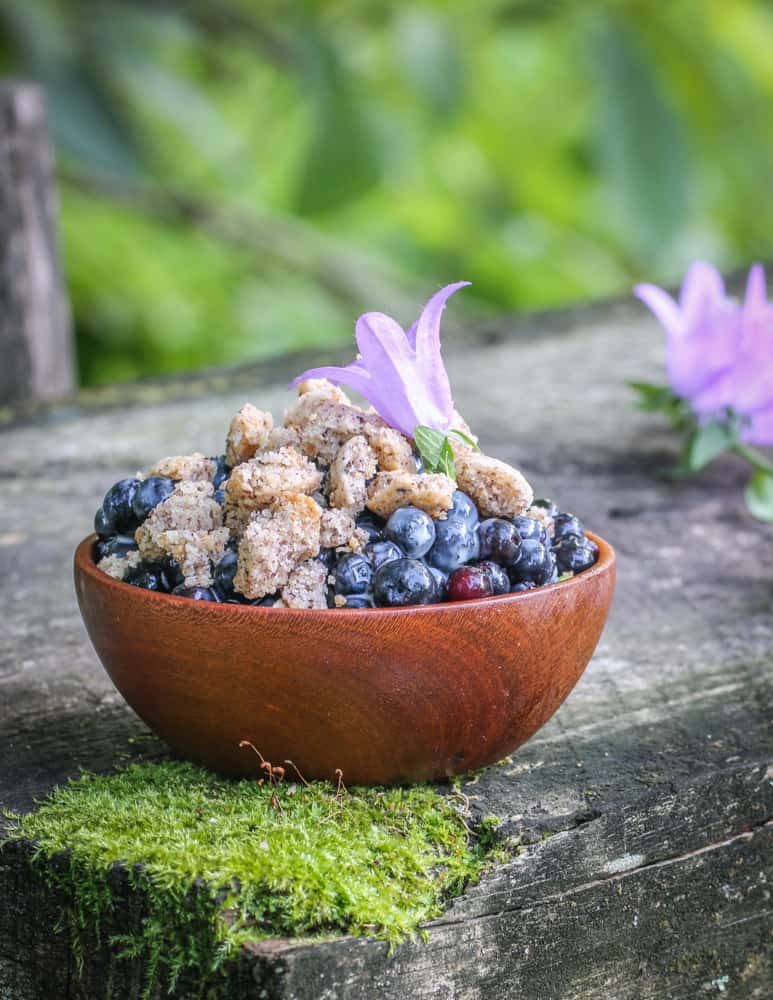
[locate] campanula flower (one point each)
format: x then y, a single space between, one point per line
401 373
719 352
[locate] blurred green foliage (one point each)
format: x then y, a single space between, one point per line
241 178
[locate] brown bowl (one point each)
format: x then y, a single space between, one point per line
384 695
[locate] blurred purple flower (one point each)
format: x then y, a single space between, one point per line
719 353
400 373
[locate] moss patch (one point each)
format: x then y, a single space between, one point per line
219 863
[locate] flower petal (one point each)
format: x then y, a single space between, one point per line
760 430
703 291
354 375
756 294
665 309
427 337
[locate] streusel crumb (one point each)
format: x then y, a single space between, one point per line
195 552
274 542
352 467
541 515
497 489
119 566
264 479
324 425
392 490
336 528
324 390
283 437
393 451
249 432
195 467
306 586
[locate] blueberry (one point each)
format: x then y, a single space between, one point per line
550 508
101 524
172 572
574 554
353 574
383 552
535 563
403 582
222 472
116 545
357 601
149 494
413 530
219 497
419 463
197 593
462 508
327 557
499 578
441 580
456 543
117 511
530 527
469 583
225 572
148 576
372 525
517 588
499 540
567 524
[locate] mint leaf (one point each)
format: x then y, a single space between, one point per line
759 495
435 450
464 438
707 443
430 444
447 462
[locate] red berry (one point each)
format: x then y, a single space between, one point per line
468 583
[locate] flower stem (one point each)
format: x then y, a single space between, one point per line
754 458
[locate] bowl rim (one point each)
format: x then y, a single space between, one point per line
84 564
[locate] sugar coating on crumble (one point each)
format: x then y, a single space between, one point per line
195 467
249 433
431 493
275 542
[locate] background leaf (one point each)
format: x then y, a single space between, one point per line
641 146
759 495
707 443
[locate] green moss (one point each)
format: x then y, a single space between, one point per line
219 863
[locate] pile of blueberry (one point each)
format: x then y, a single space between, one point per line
409 559
124 508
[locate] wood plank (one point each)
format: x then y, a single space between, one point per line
638 805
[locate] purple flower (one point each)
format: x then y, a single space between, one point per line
400 373
719 353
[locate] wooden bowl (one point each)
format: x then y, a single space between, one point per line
384 695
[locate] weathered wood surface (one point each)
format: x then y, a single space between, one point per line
646 804
35 335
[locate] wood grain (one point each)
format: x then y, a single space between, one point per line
662 750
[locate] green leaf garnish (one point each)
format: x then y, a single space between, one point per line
436 450
464 438
759 495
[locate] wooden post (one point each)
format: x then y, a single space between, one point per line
35 330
